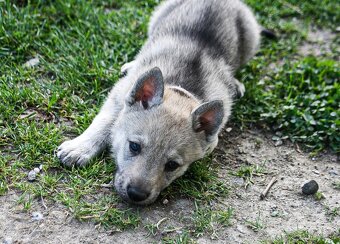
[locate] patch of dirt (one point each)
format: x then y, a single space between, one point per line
284 208
319 42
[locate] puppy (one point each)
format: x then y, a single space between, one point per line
175 98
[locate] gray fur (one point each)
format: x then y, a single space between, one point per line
196 46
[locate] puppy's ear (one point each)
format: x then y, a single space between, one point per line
208 117
148 90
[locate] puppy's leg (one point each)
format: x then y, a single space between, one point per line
240 89
82 149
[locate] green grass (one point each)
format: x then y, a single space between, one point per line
81 46
248 172
207 220
256 225
303 237
336 185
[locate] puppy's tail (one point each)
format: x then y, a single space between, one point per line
268 34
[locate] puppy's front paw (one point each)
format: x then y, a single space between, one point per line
239 89
76 152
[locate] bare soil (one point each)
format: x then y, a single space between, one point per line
284 209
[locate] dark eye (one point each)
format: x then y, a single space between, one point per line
135 148
171 166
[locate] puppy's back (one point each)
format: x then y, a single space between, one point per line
225 28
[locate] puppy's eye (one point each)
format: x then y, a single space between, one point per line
171 166
135 148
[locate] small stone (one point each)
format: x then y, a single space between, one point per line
274 213
7 240
40 167
316 172
32 175
278 143
276 138
32 62
238 181
311 187
337 29
37 216
166 201
229 129
36 170
241 229
333 172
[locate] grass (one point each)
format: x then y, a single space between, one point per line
208 221
248 172
332 213
336 185
256 225
81 46
302 237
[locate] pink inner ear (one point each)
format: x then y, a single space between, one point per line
147 91
206 120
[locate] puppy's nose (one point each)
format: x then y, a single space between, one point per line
136 194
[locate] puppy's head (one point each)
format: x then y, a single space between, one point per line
159 133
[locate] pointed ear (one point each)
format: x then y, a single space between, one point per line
208 117
148 90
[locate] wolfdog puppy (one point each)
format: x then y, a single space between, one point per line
176 96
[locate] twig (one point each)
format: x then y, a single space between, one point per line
166 231
265 192
297 148
159 222
42 202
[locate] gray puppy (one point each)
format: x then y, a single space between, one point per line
175 98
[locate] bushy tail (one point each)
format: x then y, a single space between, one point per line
268 34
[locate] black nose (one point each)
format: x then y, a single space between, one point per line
136 194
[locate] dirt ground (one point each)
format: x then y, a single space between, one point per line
284 209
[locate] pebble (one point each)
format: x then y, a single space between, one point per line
311 187
333 172
32 62
238 181
37 216
241 229
276 138
166 201
278 143
32 175
229 129
7 240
